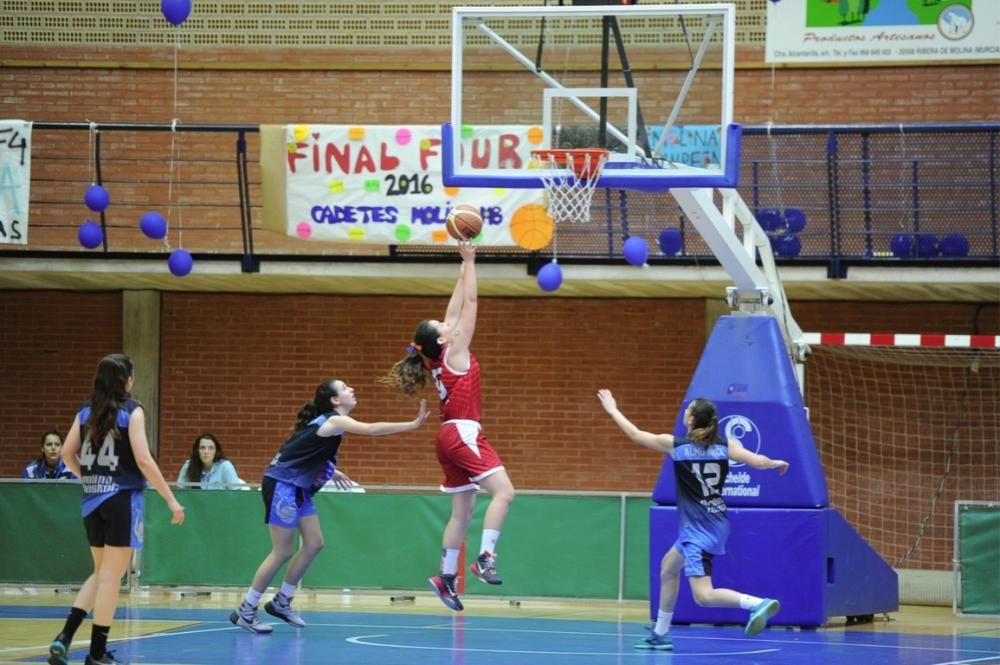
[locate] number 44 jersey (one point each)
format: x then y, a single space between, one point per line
109 467
701 472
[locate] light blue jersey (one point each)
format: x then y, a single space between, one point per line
701 471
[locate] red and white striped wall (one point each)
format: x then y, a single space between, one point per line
900 339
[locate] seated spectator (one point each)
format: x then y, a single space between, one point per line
208 466
50 464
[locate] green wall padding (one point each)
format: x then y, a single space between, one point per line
559 546
979 530
44 540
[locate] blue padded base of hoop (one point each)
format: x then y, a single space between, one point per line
643 177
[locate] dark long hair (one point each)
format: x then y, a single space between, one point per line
193 474
320 403
108 395
705 428
411 371
41 458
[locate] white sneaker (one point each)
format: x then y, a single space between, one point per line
281 606
246 618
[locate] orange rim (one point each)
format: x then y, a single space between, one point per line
585 162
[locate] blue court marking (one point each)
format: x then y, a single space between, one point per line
383 639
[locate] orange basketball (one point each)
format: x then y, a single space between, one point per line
464 222
531 226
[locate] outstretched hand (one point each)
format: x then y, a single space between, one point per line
607 400
421 414
467 250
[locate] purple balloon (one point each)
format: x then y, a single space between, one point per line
550 277
176 11
927 245
954 244
789 245
97 198
635 250
153 225
901 245
90 234
180 262
670 242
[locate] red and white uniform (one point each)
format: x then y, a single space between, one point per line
465 455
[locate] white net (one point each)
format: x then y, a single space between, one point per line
570 178
903 432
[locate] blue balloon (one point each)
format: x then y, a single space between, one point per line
771 220
97 198
180 262
90 234
176 11
954 244
901 246
796 220
550 276
670 242
927 245
153 225
789 246
635 250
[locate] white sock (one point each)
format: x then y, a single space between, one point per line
749 602
288 590
253 597
449 562
662 626
489 542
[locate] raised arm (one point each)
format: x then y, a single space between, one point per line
465 328
338 424
738 453
455 304
663 443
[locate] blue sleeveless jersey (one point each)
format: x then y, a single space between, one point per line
109 467
304 454
701 472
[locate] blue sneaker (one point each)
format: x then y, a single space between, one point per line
655 641
59 650
759 616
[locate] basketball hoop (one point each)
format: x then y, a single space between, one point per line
570 177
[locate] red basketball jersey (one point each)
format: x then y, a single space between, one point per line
460 392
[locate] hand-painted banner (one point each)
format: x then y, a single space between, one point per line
692 145
381 184
15 181
839 31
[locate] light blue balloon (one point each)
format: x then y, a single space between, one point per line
635 250
180 262
550 277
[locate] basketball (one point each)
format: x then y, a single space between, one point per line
464 222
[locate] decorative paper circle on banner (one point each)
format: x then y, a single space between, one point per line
531 227
303 230
536 136
635 250
451 192
300 132
403 233
670 242
180 262
153 225
403 136
97 198
90 234
176 11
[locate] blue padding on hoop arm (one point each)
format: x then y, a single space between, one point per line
637 176
812 560
746 371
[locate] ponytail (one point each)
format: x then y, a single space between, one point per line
410 372
320 403
705 426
